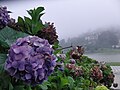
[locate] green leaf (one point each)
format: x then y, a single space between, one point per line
38 11
34 24
20 87
64 81
20 21
40 17
2 61
2 58
28 20
30 12
87 82
37 27
8 36
28 87
43 86
71 80
11 86
77 88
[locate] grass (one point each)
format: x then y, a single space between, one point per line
106 50
113 63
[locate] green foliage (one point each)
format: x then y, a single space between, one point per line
8 36
34 24
20 87
2 61
101 88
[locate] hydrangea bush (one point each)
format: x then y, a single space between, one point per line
32 59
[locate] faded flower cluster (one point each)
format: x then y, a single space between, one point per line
49 33
30 59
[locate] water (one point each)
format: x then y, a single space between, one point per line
107 57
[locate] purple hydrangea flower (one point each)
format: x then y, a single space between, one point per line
30 59
4 16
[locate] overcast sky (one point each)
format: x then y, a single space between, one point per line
71 17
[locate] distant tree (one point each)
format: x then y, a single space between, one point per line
62 42
106 39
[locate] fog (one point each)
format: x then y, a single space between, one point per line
71 17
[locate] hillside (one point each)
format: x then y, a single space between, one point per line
96 40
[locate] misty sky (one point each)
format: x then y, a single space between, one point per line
71 17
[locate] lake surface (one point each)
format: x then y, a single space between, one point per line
107 57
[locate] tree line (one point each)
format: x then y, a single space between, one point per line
95 40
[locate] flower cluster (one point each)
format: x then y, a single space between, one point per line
75 70
96 73
60 64
4 17
77 52
30 59
49 33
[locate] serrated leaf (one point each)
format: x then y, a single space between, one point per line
8 36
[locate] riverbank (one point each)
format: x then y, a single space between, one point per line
106 57
104 50
113 63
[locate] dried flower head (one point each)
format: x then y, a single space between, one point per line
49 33
96 73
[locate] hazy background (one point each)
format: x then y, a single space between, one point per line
71 17
94 24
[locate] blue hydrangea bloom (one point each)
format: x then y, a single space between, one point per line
30 59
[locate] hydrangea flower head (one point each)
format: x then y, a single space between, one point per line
30 59
49 33
4 16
